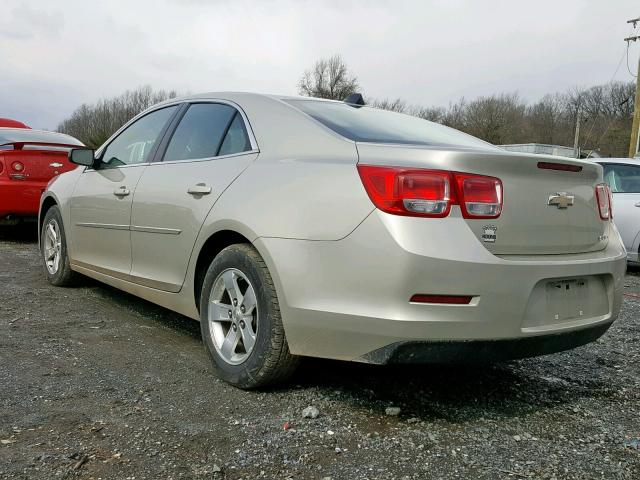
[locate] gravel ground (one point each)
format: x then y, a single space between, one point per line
95 383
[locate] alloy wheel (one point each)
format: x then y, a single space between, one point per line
233 316
52 243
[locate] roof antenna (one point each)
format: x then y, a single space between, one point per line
354 99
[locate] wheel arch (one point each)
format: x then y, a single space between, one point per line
45 205
215 243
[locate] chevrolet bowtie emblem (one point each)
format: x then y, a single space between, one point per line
560 200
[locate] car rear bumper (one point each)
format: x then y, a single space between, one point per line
20 197
481 351
346 299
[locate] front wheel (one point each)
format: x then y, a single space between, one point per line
53 246
240 320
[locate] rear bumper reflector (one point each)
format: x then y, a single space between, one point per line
450 299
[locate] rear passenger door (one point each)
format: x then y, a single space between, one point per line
210 146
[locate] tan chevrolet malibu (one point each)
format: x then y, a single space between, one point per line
297 227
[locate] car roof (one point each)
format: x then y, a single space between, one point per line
239 97
10 136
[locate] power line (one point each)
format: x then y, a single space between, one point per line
593 122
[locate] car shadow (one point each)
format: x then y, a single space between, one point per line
24 232
145 309
633 269
455 393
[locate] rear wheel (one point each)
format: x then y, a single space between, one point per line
53 246
240 320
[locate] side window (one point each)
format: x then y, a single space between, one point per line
135 144
236 140
205 131
622 178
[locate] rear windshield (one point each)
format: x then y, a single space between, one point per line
366 124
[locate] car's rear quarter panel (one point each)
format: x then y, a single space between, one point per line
304 183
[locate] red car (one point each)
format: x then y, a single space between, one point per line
29 159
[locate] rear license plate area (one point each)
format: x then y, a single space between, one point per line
566 298
556 301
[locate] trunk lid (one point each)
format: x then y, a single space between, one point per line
528 224
38 165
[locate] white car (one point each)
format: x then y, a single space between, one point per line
623 177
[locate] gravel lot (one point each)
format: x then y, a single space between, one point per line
95 383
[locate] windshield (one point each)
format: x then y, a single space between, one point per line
366 124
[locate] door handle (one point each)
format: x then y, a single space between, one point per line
637 204
199 189
121 192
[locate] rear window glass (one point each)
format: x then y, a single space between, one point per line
366 124
622 178
200 132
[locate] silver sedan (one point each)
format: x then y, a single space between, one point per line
301 227
623 177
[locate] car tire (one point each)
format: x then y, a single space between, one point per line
53 242
264 358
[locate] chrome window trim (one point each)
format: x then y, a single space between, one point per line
206 159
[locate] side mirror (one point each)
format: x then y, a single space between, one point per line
81 156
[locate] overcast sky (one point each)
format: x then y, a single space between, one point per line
56 55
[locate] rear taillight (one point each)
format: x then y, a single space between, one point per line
480 196
1 166
430 193
410 192
603 197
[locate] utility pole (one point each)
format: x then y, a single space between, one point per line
576 138
635 128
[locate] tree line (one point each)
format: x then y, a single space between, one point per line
604 112
93 124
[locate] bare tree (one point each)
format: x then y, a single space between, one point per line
497 119
397 105
329 78
433 114
546 122
94 124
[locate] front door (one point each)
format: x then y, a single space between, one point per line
208 150
100 209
